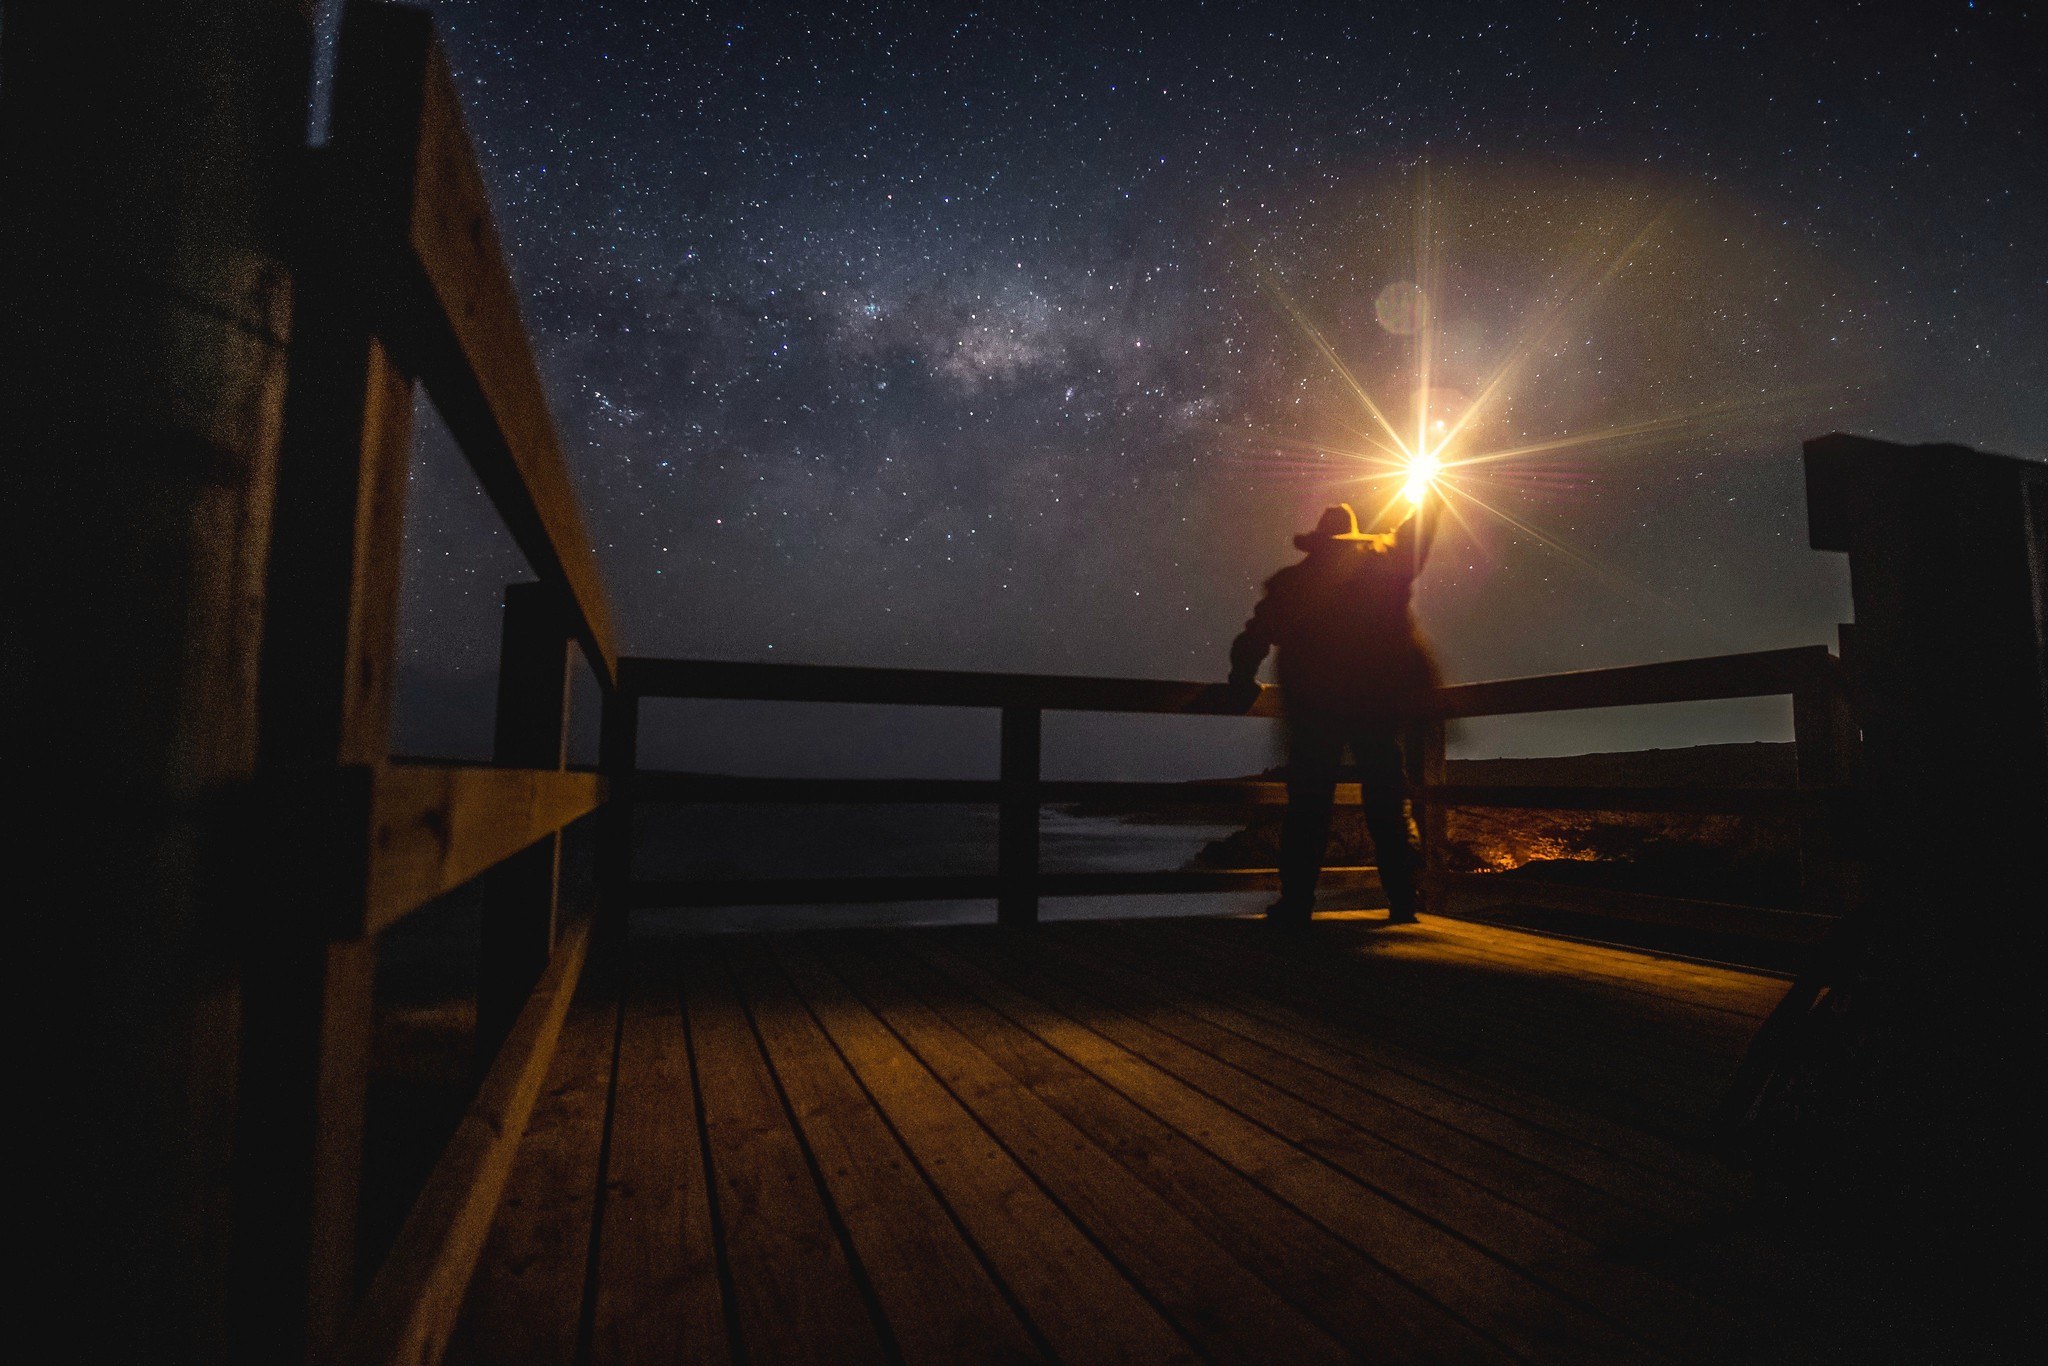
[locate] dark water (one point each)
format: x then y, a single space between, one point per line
827 841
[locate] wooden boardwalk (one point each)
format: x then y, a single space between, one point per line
1143 1141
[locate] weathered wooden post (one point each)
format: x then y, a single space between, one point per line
328 651
148 167
1424 752
519 923
1017 818
1824 744
327 659
1901 1093
618 758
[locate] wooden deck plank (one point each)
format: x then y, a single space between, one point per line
1633 1047
526 1301
1585 1209
1583 1070
1670 1053
658 1295
1081 1302
1532 971
1261 990
796 1296
1354 1298
939 1300
1415 1218
1646 1187
1487 1202
1227 1313
1696 987
1129 1141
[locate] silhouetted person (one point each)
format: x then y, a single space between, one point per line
1353 672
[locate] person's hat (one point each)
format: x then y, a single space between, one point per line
1338 523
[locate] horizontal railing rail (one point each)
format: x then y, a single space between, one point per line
1806 674
684 678
432 265
869 889
1764 673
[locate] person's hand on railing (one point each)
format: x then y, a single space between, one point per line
1242 693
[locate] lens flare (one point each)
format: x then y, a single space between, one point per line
1443 456
1423 469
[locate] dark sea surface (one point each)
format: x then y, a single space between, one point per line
720 841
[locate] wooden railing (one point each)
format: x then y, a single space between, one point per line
1019 791
402 283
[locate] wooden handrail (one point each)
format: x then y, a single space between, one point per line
928 687
409 1311
435 827
438 274
1761 674
1808 674
797 891
659 786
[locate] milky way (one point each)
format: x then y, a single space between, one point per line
900 335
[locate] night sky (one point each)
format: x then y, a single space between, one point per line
907 335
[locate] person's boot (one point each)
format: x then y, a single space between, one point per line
1289 915
1402 910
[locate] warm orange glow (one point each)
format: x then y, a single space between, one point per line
1423 469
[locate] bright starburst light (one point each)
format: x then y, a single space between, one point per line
1448 444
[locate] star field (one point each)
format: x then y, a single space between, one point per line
910 335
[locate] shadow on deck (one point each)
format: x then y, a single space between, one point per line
1142 1141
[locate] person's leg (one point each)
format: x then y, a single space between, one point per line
1383 791
1311 786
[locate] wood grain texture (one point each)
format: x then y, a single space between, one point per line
525 1302
658 1295
412 1304
778 891
1081 1302
941 1303
797 1287
1166 1140
437 826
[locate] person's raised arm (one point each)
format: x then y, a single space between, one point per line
1417 531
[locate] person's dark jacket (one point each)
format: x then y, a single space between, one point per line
1350 655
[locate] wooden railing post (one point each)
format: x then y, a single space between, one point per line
618 757
532 732
1824 738
329 641
1017 820
1425 758
326 690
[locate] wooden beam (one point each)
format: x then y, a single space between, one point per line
1733 800
412 1303
435 827
518 931
659 786
1017 817
329 633
1754 922
439 270
618 757
797 891
930 687
1764 673
1423 758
